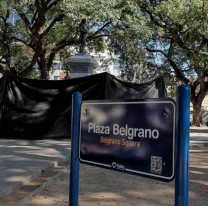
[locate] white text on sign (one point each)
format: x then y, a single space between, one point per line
124 131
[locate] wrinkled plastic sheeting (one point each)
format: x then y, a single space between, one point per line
37 109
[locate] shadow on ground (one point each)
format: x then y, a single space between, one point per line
102 187
23 160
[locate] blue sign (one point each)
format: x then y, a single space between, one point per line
132 136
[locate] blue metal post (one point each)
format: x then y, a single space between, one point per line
74 167
182 146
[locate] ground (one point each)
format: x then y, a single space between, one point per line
102 187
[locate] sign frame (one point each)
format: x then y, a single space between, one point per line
129 102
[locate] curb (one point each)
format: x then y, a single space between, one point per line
198 146
198 131
34 176
47 183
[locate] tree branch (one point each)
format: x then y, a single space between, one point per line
20 40
100 29
26 21
185 70
160 36
1 31
4 20
206 85
34 16
37 4
204 42
2 70
170 51
28 27
7 16
152 17
2 62
31 66
95 37
30 6
157 50
52 4
53 23
62 44
51 58
173 65
181 44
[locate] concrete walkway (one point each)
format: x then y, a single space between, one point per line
199 136
198 139
203 129
21 161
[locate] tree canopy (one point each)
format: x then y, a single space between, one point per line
48 28
174 34
161 37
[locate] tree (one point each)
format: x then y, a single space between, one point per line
52 26
11 53
47 29
133 60
176 31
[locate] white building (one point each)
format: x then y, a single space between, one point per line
104 59
55 74
117 70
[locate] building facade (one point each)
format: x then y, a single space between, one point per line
104 59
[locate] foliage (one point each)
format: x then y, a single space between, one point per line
179 35
47 27
151 37
175 37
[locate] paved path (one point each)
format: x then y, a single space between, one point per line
23 160
198 139
203 129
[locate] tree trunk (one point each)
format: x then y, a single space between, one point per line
197 105
31 67
197 114
6 46
44 74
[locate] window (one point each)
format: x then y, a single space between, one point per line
13 16
57 66
56 77
16 17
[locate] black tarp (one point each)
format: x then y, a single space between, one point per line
37 109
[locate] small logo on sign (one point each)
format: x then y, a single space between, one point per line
114 165
117 166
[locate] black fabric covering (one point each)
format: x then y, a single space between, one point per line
37 109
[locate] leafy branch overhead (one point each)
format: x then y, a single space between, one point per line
179 35
150 37
168 38
45 27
